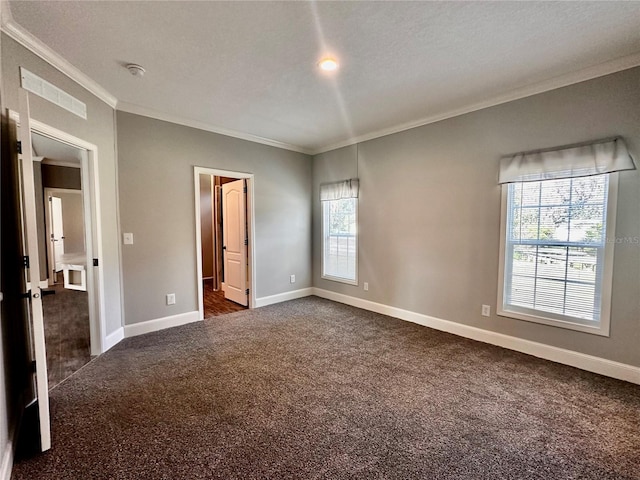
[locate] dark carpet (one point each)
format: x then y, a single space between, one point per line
312 389
66 330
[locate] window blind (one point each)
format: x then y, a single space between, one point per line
594 158
555 246
340 190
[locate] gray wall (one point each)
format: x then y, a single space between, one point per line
429 210
155 165
98 129
55 176
72 222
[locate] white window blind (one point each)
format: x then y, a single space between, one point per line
555 246
557 264
339 190
339 235
603 156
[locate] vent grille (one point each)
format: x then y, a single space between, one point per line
46 90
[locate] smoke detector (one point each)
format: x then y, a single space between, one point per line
135 70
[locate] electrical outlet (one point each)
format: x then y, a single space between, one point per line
366 286
171 298
292 278
127 238
486 311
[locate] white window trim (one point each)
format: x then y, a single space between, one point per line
546 318
324 243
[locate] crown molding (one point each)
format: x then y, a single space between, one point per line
167 117
33 44
602 69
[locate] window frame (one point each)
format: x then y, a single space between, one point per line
333 278
548 318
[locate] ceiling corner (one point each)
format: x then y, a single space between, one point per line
34 45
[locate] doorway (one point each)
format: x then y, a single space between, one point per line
29 134
61 217
224 241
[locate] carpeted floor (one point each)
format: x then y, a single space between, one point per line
312 389
66 329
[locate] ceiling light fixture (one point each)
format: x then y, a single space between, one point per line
135 70
328 64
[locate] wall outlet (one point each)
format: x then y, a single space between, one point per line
292 278
127 238
366 286
171 298
486 311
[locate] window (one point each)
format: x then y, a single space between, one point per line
558 234
339 237
555 250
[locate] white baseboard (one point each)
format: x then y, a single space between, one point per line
113 339
283 297
583 361
161 323
7 456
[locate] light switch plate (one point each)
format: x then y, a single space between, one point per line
171 298
127 238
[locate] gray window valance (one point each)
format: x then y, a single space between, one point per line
339 190
594 158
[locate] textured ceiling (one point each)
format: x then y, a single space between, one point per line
250 67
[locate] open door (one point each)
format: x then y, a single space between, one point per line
32 269
234 241
57 233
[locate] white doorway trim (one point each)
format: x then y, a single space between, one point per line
93 226
250 225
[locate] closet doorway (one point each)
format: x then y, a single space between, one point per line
224 246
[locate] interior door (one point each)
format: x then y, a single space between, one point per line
234 238
57 231
30 234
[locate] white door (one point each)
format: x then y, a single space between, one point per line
234 241
31 236
57 231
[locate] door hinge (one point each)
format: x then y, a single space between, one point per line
33 366
19 146
244 189
51 200
25 261
247 291
95 262
246 241
26 295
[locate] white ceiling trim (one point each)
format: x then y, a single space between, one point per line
167 117
27 40
606 68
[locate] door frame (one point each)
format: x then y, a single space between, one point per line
251 260
51 191
93 226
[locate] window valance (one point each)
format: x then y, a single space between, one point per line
594 158
339 190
